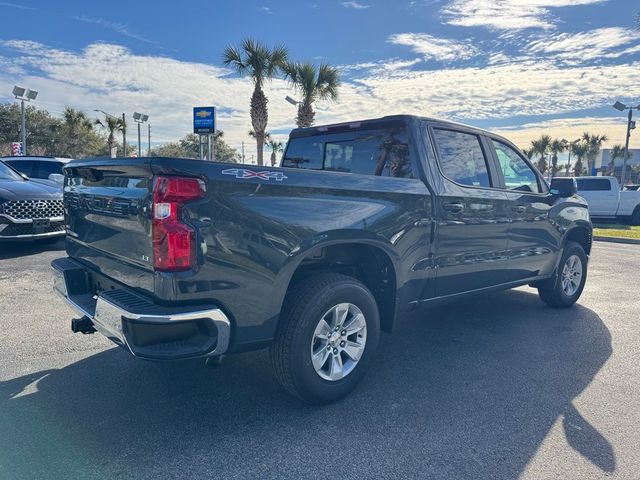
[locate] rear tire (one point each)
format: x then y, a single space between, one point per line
565 287
301 332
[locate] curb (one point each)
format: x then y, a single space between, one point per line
633 241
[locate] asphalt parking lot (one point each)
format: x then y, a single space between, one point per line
497 387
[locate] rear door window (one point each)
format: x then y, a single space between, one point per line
593 184
380 152
461 158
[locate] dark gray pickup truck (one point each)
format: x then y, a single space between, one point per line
176 259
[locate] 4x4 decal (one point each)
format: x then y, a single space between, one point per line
245 173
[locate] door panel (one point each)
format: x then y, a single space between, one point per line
533 240
473 217
601 197
471 240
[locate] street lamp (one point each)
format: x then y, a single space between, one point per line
23 94
124 129
292 101
630 126
140 118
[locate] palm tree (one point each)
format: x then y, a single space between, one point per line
76 123
276 147
557 146
580 150
113 125
594 144
260 63
313 84
528 152
617 151
541 147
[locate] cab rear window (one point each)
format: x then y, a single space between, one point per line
380 152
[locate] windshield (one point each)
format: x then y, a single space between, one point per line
6 173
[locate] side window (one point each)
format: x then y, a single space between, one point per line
461 158
23 166
518 175
304 152
594 184
47 168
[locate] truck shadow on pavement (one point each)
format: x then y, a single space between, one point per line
27 248
463 391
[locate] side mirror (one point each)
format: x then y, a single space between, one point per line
563 187
24 177
56 177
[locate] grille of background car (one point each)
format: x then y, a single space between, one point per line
17 229
27 209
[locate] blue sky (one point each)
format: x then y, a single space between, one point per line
519 66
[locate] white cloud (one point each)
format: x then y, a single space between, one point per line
266 10
588 46
569 129
115 79
120 28
355 5
506 14
15 5
390 65
431 47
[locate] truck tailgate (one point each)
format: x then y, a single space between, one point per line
108 218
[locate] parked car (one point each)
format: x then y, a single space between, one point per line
29 210
176 259
607 201
633 188
45 168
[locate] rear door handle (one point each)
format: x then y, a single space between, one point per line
453 207
519 208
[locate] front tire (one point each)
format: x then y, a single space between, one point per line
327 335
565 287
635 217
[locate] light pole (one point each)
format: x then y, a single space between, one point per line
140 118
292 101
124 129
630 126
23 94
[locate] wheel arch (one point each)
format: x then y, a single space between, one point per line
581 234
370 261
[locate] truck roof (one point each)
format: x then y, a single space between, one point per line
320 129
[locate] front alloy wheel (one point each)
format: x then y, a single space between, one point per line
565 287
571 275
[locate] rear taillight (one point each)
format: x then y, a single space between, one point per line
174 242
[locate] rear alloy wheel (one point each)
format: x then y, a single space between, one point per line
565 287
338 341
327 334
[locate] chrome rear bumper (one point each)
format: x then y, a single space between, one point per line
133 322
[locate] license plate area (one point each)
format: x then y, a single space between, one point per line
40 225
